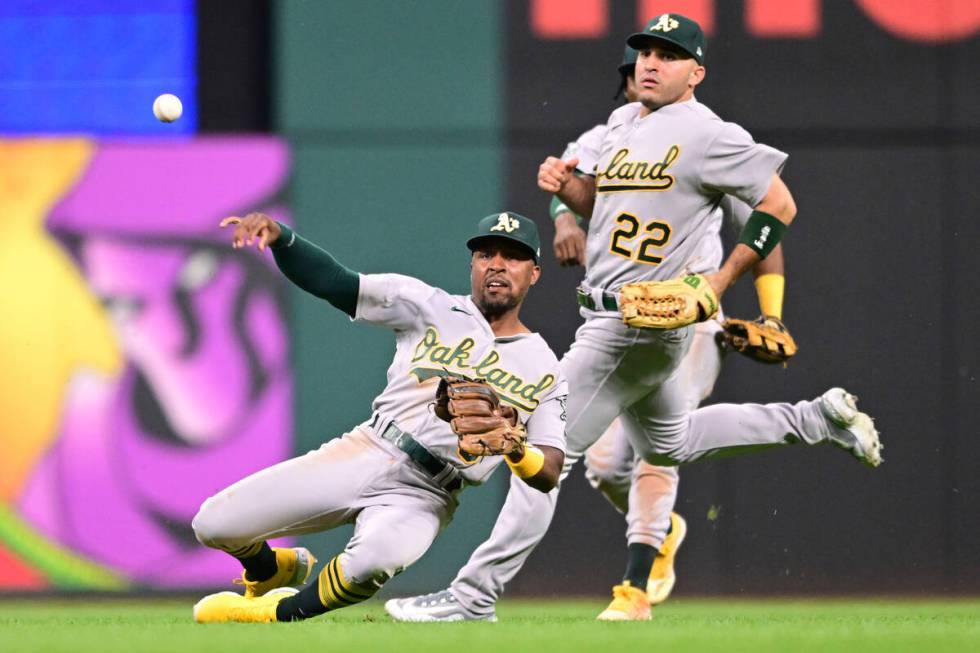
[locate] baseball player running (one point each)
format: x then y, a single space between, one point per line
644 493
469 386
666 163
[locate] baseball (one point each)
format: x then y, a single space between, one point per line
167 107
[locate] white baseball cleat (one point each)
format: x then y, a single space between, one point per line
439 606
851 429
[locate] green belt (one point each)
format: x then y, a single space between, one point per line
608 301
434 466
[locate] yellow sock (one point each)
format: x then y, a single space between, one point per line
770 289
336 591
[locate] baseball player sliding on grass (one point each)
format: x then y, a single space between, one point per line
665 167
469 387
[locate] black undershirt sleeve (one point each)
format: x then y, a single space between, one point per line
315 270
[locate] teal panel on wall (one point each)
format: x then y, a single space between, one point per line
388 65
393 110
345 200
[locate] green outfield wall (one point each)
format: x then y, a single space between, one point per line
393 112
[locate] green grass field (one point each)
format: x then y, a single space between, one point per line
681 625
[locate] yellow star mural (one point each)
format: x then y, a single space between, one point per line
51 325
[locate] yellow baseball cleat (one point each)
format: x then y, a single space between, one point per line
629 604
662 577
294 567
228 606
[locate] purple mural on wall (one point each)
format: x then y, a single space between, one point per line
204 397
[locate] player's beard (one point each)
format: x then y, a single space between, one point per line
493 307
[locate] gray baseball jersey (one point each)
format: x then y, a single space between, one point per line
652 381
587 149
707 250
437 333
525 518
397 507
660 181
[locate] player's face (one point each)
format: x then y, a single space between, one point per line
632 90
501 273
664 75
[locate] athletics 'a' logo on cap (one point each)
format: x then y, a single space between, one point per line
665 24
506 223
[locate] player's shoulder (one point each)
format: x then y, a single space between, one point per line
712 127
392 283
534 347
594 134
541 345
587 148
720 123
699 109
623 115
709 121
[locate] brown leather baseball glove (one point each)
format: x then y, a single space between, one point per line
667 304
765 339
485 427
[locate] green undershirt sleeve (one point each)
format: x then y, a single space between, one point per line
314 270
558 207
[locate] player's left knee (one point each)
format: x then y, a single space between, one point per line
600 469
204 530
213 529
605 479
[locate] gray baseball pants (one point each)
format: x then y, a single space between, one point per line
397 508
637 375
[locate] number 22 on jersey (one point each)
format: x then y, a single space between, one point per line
653 236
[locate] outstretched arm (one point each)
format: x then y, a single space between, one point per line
304 263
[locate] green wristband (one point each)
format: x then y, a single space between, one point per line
762 233
558 207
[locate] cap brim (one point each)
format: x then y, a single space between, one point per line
642 39
475 241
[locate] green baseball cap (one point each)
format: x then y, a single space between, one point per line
629 61
673 28
511 226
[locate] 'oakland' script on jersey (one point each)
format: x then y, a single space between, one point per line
661 180
649 175
455 358
439 334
